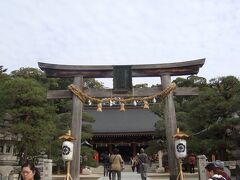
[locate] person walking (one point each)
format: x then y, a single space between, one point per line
105 160
211 172
133 163
116 164
142 160
137 164
220 169
191 162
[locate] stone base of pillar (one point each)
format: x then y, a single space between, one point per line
86 171
160 170
172 177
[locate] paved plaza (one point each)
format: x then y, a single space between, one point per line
127 176
136 176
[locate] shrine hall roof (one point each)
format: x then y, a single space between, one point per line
112 121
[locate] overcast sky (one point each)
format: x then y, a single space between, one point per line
119 32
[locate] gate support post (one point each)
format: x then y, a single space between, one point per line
76 129
171 127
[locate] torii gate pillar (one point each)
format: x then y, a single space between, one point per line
171 127
76 127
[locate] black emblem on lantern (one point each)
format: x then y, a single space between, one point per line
181 147
65 150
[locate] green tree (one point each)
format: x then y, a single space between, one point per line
191 81
3 78
36 74
24 100
159 141
144 85
63 106
213 111
208 116
3 74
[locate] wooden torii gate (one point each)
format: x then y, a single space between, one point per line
164 71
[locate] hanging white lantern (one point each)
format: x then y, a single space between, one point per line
180 148
135 103
89 102
67 150
110 103
154 100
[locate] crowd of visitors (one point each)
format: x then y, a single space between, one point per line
113 166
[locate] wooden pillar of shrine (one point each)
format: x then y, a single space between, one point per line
110 148
134 149
76 129
171 127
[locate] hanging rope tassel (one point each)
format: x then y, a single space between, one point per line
146 105
85 97
99 107
122 107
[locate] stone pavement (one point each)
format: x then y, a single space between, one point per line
127 176
130 176
136 176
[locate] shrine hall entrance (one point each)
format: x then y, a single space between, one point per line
128 131
125 152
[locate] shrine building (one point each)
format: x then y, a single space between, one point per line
128 131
